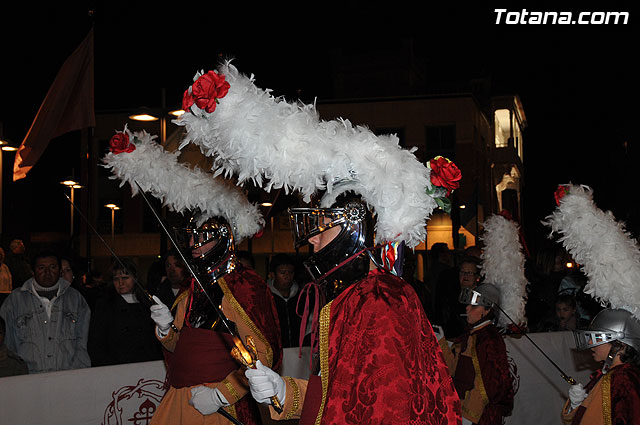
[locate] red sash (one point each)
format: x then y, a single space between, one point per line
312 401
200 356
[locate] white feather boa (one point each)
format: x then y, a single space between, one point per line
503 265
608 255
181 188
284 145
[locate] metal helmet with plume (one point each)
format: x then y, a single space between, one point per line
610 258
606 252
277 144
136 159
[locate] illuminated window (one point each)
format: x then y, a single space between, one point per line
502 127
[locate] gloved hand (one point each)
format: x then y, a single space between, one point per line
437 330
207 400
264 383
577 394
161 314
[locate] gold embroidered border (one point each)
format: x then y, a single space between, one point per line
231 389
606 398
325 319
296 397
245 318
475 416
232 410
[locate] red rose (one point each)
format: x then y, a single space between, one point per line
206 91
187 100
560 192
120 143
445 173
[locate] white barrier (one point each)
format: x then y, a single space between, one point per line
129 394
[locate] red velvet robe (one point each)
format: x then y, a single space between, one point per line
380 361
202 357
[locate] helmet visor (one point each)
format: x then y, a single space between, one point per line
471 297
588 338
308 222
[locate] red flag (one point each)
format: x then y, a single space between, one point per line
68 106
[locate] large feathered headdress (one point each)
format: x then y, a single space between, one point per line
136 158
606 252
503 265
277 144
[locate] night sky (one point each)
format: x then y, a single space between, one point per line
578 84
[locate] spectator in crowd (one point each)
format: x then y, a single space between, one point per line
47 320
285 292
176 281
10 363
246 259
92 287
566 313
18 264
5 279
121 330
450 313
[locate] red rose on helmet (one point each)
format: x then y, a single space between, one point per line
120 143
560 192
445 173
206 91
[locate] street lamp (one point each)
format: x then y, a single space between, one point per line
113 208
72 185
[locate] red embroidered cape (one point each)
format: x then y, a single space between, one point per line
253 294
384 364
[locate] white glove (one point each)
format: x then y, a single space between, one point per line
577 394
161 314
264 383
207 400
437 330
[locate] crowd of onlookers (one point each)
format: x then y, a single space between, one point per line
53 319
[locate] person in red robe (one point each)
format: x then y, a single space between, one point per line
612 395
379 361
201 373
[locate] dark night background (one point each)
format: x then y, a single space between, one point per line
578 84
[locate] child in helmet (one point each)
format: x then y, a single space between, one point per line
612 396
478 362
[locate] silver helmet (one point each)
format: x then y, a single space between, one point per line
609 325
355 235
209 246
486 295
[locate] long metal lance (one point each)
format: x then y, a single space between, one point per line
241 348
142 288
566 377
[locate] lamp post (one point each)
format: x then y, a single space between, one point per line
113 208
72 185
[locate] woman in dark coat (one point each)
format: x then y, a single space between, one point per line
121 330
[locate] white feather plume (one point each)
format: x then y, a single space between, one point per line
285 145
503 265
608 255
182 188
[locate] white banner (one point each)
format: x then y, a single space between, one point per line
129 394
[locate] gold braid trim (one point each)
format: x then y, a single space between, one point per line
606 398
232 410
325 319
245 318
231 389
179 298
475 416
296 397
